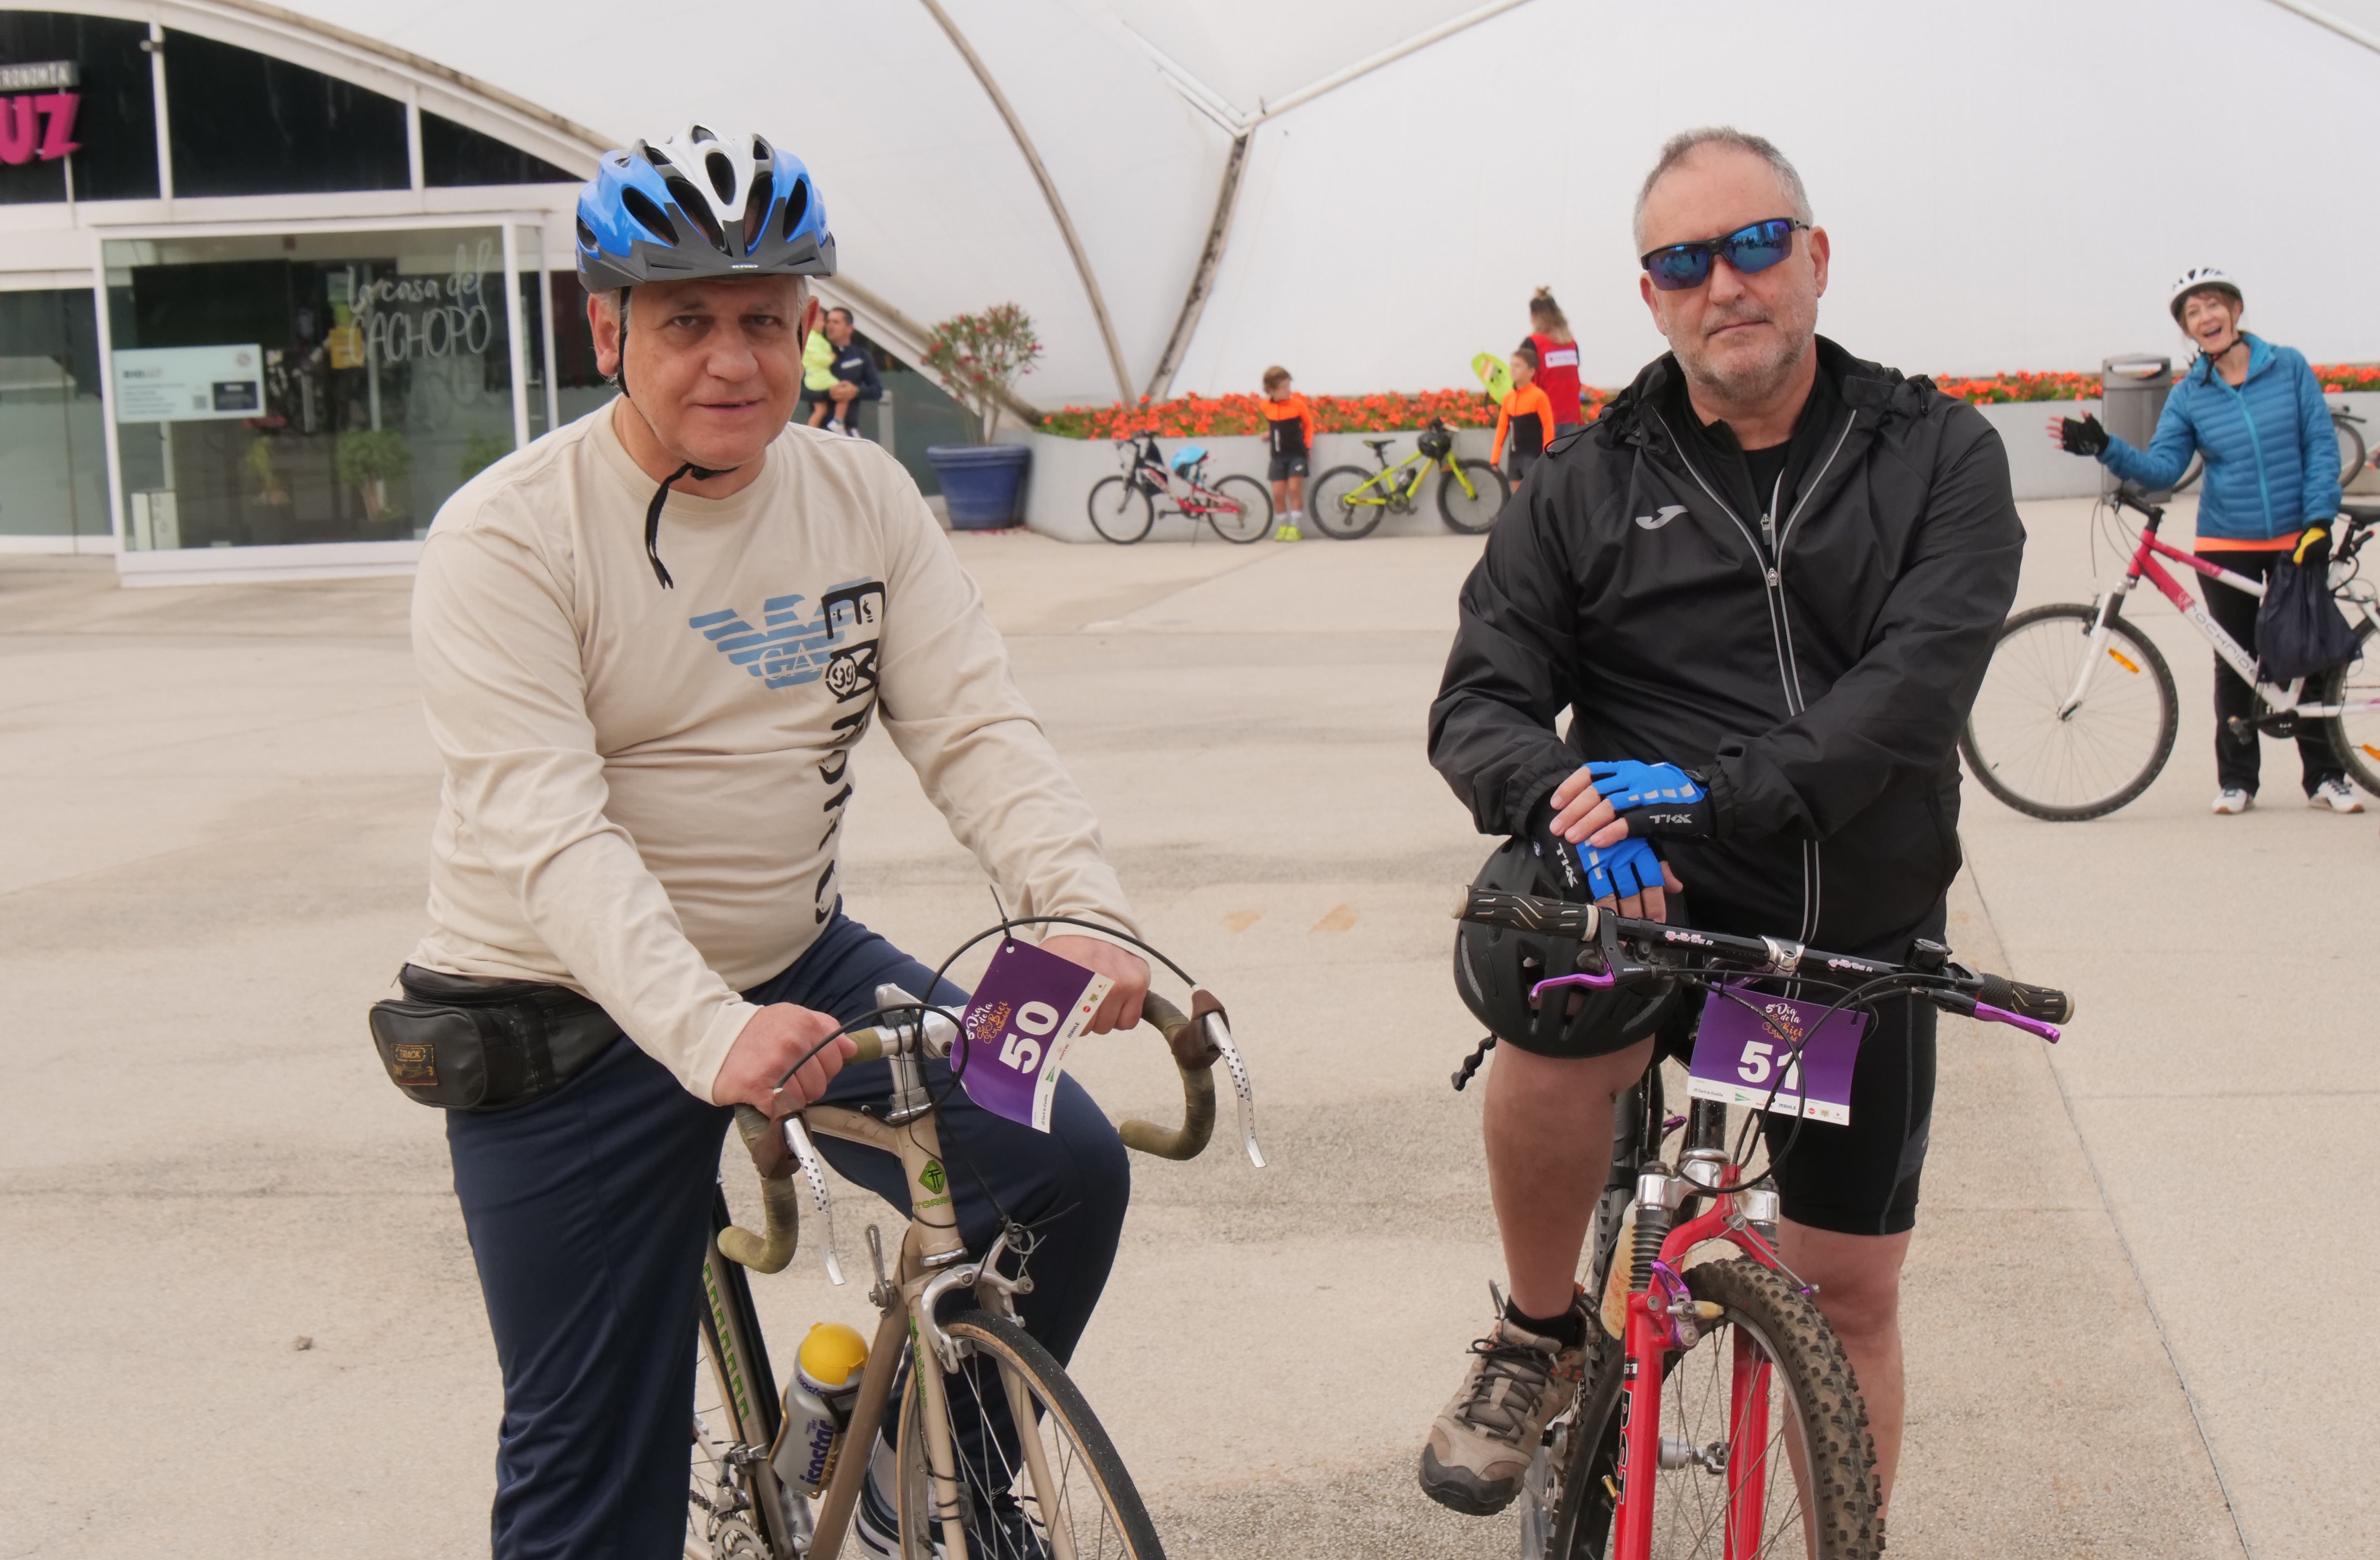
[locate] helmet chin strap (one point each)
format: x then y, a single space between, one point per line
661 494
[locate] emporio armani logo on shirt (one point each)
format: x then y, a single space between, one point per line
799 643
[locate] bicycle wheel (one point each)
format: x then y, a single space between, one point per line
2091 761
1121 511
1062 1491
2350 448
2197 469
1240 509
1472 511
1346 503
733 1420
1767 1387
2356 734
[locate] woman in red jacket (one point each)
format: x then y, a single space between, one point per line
1556 361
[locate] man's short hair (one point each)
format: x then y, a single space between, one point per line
1275 375
1685 143
847 316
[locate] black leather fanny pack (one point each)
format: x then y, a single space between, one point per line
464 1042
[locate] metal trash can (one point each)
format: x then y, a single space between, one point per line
2132 395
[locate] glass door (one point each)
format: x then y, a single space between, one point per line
293 388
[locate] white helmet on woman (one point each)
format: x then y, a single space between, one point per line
2196 279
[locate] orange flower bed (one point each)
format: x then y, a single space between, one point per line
1218 417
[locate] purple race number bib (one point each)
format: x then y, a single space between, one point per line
1740 1050
1026 1011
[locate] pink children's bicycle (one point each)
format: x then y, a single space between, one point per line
2077 713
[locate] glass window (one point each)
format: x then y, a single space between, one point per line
456 155
305 387
247 124
114 127
581 385
52 463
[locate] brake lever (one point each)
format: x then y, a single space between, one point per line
1219 1034
798 1139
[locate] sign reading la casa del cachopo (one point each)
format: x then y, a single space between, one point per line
37 111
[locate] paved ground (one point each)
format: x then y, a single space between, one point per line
244 1320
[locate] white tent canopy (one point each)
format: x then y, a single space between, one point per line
2010 184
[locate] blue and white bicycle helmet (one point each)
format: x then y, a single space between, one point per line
701 203
1187 456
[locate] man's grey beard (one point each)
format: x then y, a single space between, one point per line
1753 384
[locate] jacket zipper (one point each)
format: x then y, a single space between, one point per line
1771 560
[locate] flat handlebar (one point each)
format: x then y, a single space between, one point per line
1993 998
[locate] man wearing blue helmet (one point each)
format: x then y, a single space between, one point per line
648 764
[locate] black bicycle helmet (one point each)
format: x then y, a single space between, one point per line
1495 967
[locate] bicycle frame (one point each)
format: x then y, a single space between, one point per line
2145 564
1378 487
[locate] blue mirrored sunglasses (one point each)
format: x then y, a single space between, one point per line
1748 249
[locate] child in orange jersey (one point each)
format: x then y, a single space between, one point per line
1526 415
1291 424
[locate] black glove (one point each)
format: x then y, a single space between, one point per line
2083 438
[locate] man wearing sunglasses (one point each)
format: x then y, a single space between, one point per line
1764 584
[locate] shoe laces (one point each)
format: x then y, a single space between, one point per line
1513 1378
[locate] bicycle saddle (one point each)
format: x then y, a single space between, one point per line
1380 446
2366 512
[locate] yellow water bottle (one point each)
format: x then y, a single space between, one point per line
818 1407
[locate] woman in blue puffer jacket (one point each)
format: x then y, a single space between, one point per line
2256 411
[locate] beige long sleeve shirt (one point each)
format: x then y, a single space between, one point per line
645 788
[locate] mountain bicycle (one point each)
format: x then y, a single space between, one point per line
1720 1417
2077 712
1125 506
1348 502
1048 1482
2344 423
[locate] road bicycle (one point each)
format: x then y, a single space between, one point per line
2077 712
2344 423
1348 503
1047 1481
1720 1417
1125 506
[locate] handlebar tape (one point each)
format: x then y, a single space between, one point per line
1194 1055
780 1205
2042 1002
1527 912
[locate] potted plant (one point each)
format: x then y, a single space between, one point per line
979 358
366 458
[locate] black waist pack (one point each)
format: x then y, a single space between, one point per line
462 1042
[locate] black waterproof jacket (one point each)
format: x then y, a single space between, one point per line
1814 664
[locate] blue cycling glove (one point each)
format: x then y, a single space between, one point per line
1623 870
1655 798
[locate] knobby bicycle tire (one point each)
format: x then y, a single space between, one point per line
2095 761
1819 1393
2356 737
1120 512
1245 513
1099 1501
1473 516
1328 505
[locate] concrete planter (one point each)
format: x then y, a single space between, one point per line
1059 487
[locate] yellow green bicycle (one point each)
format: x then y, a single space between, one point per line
1347 501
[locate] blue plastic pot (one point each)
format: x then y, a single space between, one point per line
980 483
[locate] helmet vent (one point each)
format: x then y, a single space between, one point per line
697 211
798 205
755 212
723 174
701 133
585 234
645 149
649 217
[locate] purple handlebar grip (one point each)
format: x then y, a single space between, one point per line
1543 987
1991 1014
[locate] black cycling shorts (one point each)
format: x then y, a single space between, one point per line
1284 467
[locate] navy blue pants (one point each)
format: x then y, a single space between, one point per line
588 1210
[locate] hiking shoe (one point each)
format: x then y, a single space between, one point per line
2335 795
2228 803
1480 1448
1288 533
